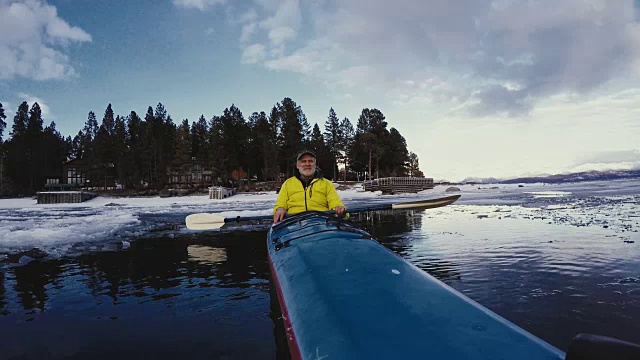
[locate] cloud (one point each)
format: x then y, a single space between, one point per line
6 105
280 35
610 157
197 4
274 24
497 60
33 41
47 116
253 54
247 31
286 14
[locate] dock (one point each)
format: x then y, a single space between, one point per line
393 185
64 197
220 192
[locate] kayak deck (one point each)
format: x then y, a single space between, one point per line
346 296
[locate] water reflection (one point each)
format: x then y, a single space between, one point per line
3 291
204 294
31 283
206 255
383 225
234 260
392 229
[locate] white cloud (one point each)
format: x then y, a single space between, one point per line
47 116
33 40
253 54
248 17
280 21
281 35
247 31
299 62
197 4
518 94
609 157
7 106
509 63
286 14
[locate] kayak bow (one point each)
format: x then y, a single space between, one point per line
343 295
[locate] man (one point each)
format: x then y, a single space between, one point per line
307 191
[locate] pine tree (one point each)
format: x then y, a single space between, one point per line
217 154
294 131
35 147
199 140
396 160
106 154
332 137
135 166
324 159
182 145
57 151
414 166
346 141
149 147
122 157
90 131
19 127
17 151
272 146
230 134
91 126
108 122
76 147
369 141
3 125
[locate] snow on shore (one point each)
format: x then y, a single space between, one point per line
59 228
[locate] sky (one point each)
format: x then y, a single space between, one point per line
477 88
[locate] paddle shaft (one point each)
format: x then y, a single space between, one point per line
412 205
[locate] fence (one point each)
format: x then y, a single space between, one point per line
391 185
219 192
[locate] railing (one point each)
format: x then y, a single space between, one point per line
64 197
391 185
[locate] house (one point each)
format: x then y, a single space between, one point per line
198 174
74 172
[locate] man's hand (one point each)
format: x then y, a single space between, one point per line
279 215
340 210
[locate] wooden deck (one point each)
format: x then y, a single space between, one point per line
219 192
392 185
64 197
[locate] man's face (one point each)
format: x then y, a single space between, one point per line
306 165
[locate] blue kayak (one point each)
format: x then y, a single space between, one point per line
343 295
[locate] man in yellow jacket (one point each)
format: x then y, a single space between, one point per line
307 191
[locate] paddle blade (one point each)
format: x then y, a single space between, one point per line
426 204
204 221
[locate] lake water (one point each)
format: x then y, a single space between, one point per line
554 262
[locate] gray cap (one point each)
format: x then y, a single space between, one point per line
305 152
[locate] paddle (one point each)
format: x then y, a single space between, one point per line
212 221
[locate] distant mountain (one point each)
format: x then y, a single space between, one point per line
563 178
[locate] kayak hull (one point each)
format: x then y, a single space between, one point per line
343 295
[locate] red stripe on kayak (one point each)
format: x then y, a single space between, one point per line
294 350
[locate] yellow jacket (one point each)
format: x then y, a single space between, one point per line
319 195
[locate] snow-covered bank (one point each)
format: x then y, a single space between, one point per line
113 221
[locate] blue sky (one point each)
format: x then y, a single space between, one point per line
477 88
